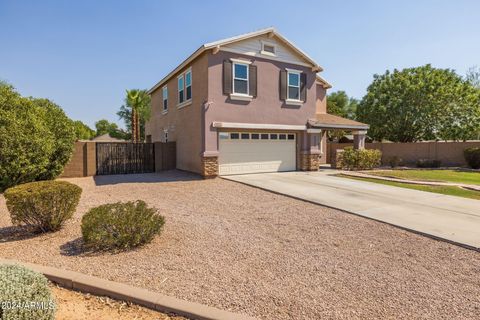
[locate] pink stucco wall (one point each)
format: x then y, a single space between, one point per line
266 108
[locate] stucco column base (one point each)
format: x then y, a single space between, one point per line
309 161
209 167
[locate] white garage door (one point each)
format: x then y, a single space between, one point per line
256 152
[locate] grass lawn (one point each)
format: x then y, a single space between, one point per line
432 175
448 190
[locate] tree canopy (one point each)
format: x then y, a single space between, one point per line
340 104
142 107
36 138
104 126
422 103
82 131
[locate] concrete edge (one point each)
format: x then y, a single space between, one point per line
418 182
120 291
431 236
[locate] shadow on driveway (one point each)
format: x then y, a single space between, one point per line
166 176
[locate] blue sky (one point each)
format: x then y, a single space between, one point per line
84 54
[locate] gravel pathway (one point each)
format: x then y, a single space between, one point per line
246 250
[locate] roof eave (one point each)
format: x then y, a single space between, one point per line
185 62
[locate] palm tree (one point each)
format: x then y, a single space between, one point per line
138 101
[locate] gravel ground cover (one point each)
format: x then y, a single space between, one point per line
246 250
72 305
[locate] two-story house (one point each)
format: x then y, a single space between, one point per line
247 104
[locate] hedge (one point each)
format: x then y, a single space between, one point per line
36 138
359 159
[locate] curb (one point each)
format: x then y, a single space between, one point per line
152 300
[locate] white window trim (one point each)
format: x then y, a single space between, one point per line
267 53
184 104
233 60
240 97
237 94
164 110
289 100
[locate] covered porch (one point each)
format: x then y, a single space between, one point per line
314 150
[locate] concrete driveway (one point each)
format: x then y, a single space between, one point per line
451 218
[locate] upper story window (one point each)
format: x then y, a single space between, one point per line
188 85
268 48
293 85
165 98
240 78
181 89
184 82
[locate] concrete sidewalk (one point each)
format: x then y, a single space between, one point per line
451 218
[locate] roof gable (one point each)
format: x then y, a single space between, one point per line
250 43
253 47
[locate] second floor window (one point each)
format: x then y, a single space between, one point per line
185 87
165 98
240 78
293 92
188 85
181 90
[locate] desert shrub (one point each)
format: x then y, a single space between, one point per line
36 138
472 156
428 163
28 291
120 225
394 161
360 159
44 205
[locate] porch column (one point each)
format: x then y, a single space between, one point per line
309 157
359 139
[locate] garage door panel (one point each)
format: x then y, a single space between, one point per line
255 156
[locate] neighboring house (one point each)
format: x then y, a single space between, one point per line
107 138
247 104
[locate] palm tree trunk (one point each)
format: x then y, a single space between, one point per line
137 127
134 137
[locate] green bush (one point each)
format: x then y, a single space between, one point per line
120 225
472 156
36 138
360 159
24 295
428 163
44 205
